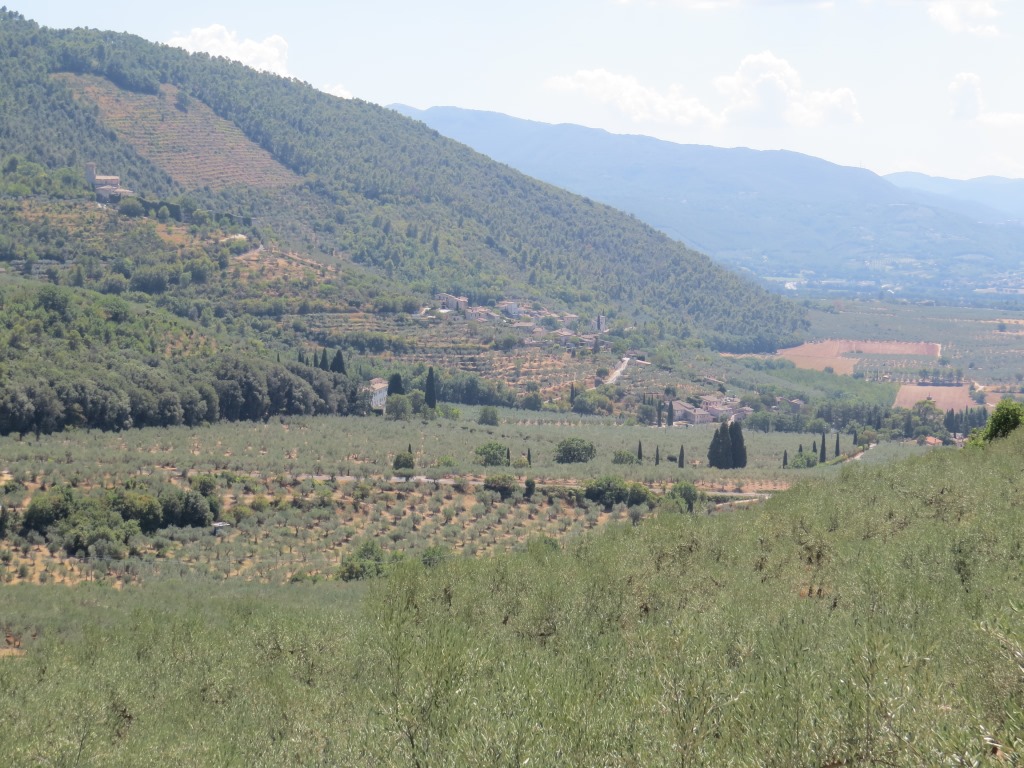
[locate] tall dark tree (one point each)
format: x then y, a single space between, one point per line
395 386
572 392
661 407
682 460
657 455
720 450
671 415
325 364
785 459
338 363
640 451
529 458
821 456
739 448
837 445
430 389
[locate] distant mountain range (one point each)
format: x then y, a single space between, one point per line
1003 196
785 217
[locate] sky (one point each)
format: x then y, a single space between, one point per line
890 85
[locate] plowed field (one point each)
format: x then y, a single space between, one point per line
840 354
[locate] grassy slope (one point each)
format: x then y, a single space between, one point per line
868 619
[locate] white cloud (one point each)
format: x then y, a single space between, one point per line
968 103
639 102
338 90
767 87
965 94
763 89
972 16
270 54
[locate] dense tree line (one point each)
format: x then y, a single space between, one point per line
101 524
74 359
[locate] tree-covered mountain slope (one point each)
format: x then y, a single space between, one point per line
374 189
781 215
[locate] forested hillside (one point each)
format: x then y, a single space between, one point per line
371 188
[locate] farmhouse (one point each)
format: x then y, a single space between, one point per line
691 414
450 301
378 394
107 188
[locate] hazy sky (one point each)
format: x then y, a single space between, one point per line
891 85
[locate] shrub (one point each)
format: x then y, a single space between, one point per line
488 416
574 450
503 485
624 457
685 493
492 454
1007 417
404 460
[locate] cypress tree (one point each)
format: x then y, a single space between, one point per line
855 437
529 458
837 445
395 386
640 452
801 448
657 455
430 395
821 456
814 447
682 461
508 456
785 459
661 407
572 393
671 414
739 448
720 451
302 358
715 449
338 363
325 364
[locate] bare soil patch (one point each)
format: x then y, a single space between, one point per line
836 353
945 398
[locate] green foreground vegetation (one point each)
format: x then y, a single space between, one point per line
870 618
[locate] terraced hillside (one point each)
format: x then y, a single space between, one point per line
182 136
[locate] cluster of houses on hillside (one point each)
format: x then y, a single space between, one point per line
534 324
711 409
